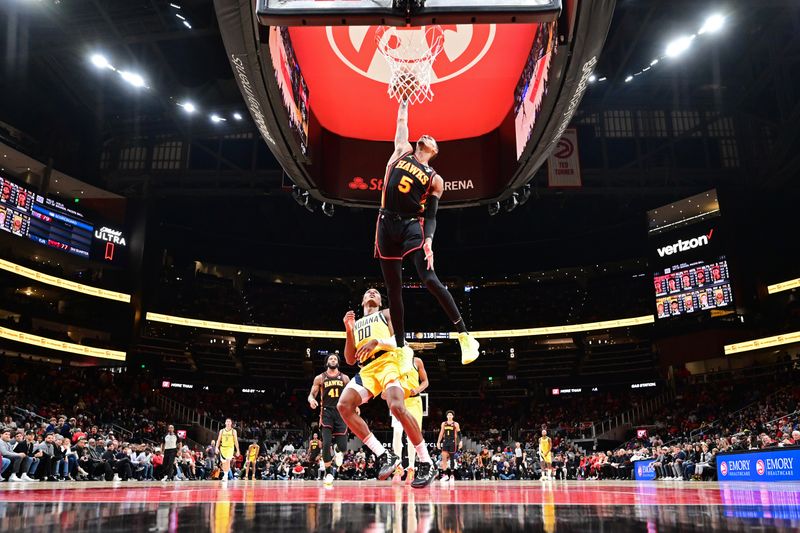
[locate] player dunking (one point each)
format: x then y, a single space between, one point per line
448 437
371 343
406 225
416 382
332 382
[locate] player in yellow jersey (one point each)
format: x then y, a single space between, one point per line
546 456
250 460
227 448
370 342
416 381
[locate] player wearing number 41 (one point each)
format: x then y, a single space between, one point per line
406 226
370 342
330 383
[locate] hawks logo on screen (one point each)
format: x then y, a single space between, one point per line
464 46
723 468
760 467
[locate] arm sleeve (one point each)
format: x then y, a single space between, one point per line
431 206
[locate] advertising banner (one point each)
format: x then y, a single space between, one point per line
779 464
643 470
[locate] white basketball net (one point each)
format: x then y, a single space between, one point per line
410 53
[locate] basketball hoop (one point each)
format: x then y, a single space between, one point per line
410 53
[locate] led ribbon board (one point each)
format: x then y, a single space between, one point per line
63 283
320 334
764 342
784 286
62 346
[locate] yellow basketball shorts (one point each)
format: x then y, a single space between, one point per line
377 375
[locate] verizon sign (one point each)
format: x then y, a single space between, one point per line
682 246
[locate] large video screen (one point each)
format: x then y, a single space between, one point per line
685 289
532 86
51 223
291 82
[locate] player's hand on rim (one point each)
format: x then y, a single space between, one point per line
427 247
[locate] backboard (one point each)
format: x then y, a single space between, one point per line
402 12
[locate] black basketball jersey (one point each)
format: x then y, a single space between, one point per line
314 445
449 432
406 186
331 389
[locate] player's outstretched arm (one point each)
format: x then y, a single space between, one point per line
401 144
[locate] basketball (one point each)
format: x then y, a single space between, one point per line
405 85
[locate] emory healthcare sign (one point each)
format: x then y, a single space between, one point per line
778 464
643 470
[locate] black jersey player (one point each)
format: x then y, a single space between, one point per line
330 383
406 225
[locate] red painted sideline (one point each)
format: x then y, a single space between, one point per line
489 493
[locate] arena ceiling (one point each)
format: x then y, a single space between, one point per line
52 92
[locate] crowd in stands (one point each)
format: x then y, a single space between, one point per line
55 427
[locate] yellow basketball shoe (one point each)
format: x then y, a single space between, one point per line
406 358
469 348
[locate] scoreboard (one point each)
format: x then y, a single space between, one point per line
50 223
53 228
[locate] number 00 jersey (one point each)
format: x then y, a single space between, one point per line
372 326
406 186
332 387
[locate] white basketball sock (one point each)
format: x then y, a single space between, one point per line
375 445
422 452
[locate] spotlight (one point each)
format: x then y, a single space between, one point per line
524 194
629 78
131 77
327 209
678 46
186 23
100 61
216 119
654 62
237 116
513 202
592 78
300 196
188 107
713 24
494 209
